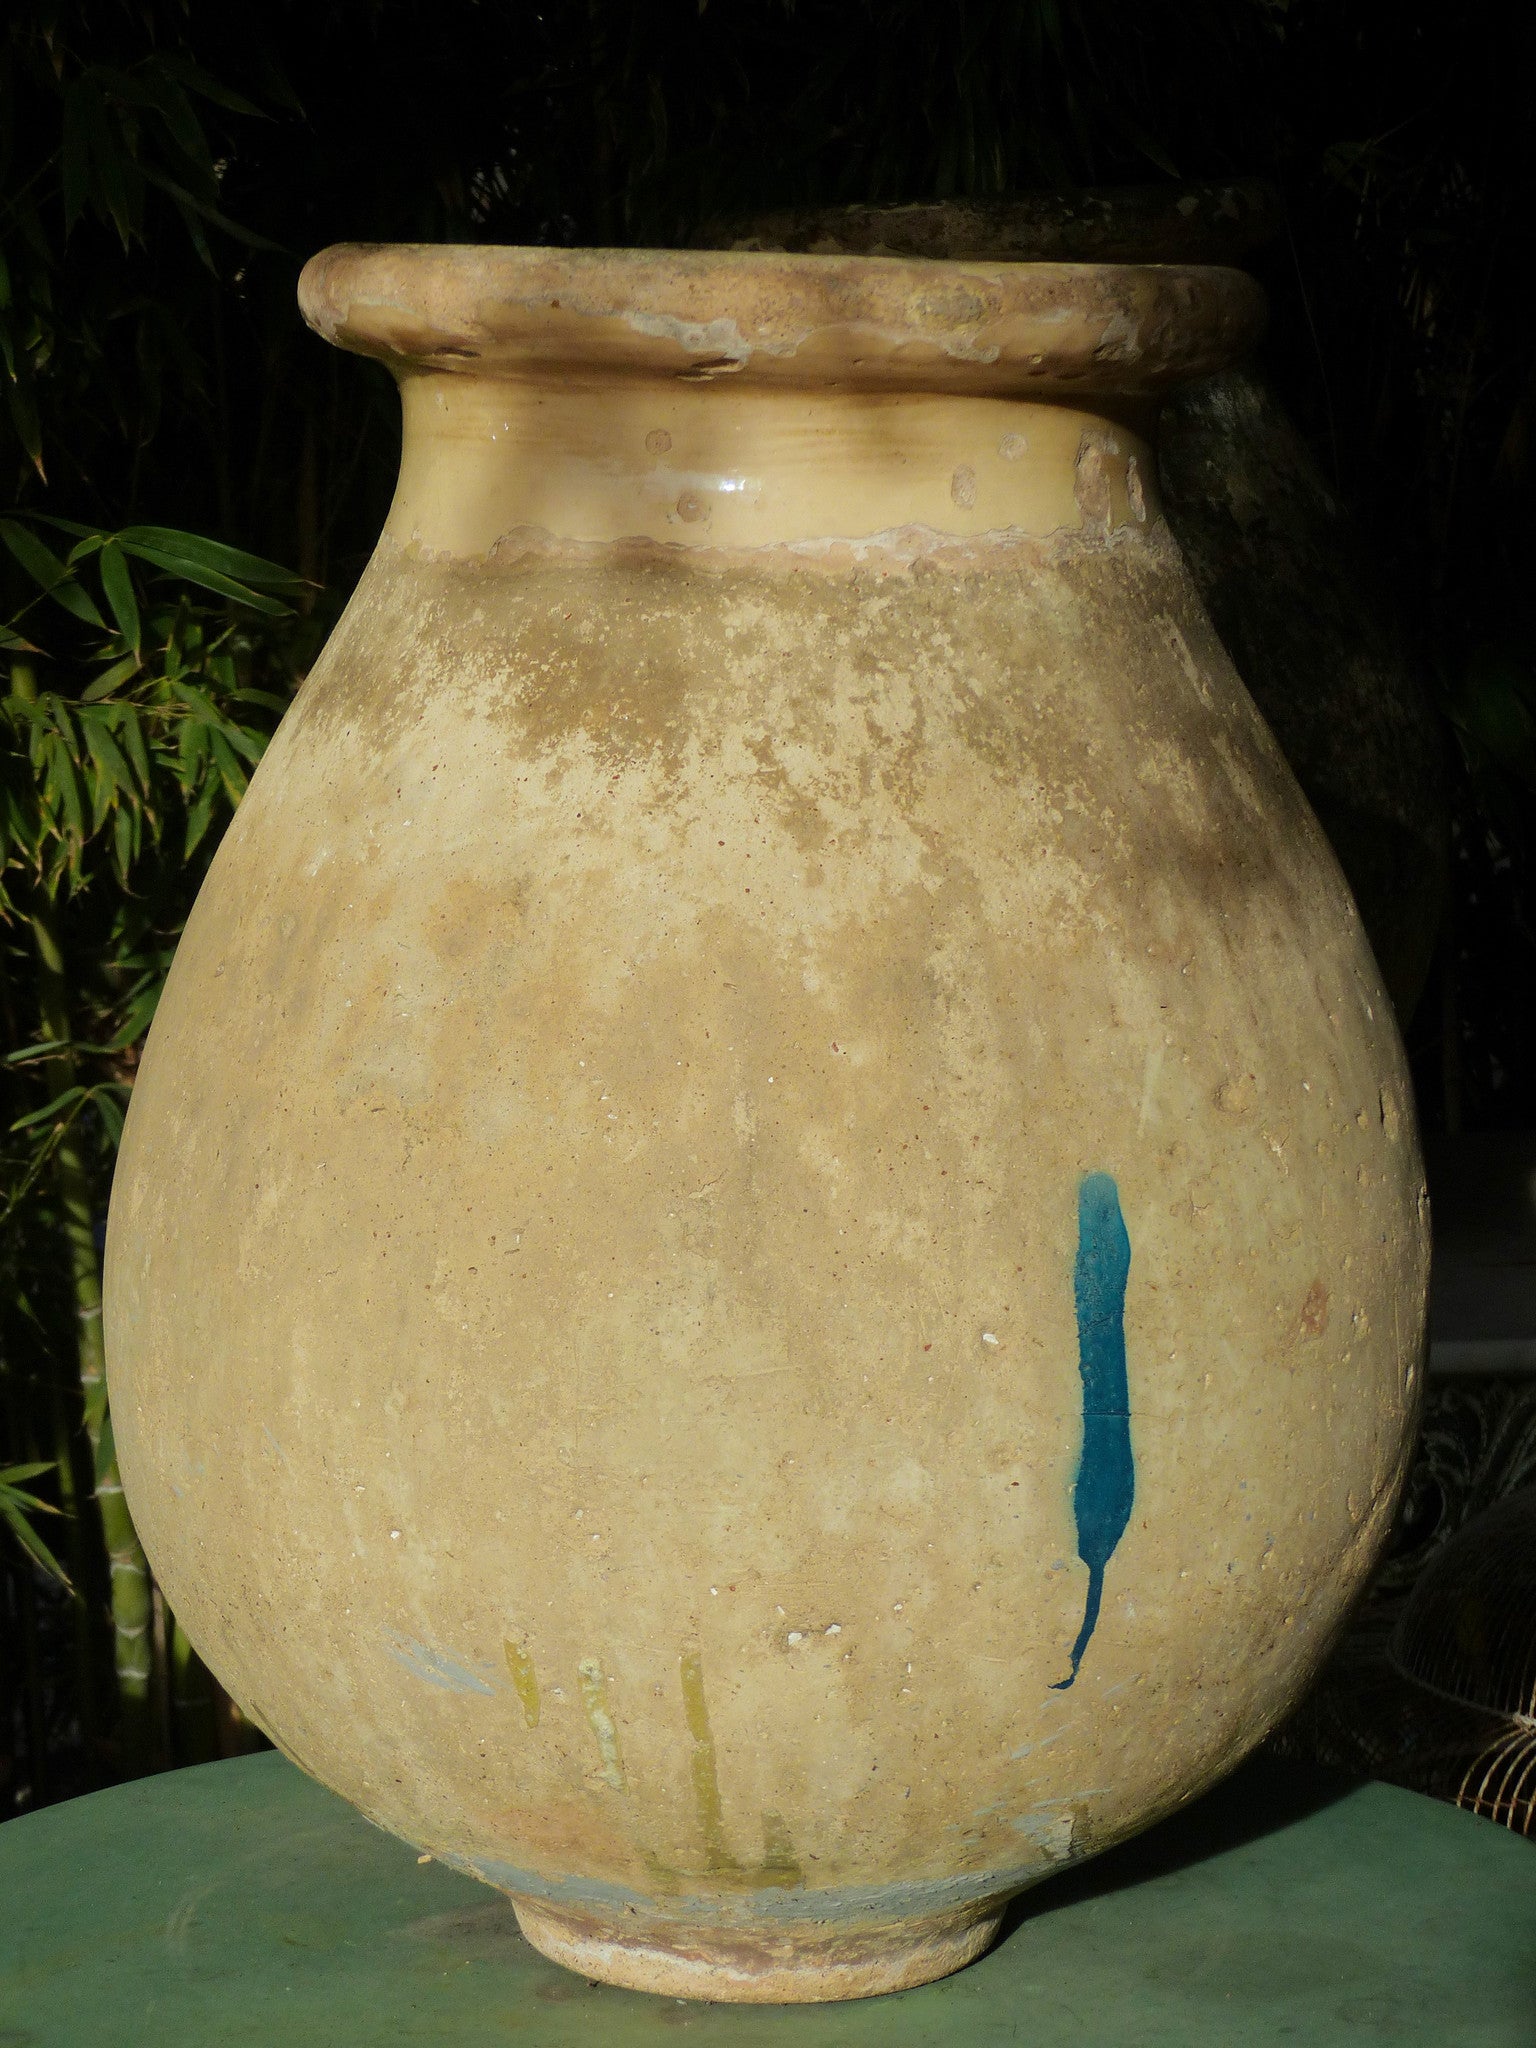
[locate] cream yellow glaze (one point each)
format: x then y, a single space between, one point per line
488 462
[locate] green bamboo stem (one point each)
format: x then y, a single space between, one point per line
130 1581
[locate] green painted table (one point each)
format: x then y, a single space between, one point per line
241 1906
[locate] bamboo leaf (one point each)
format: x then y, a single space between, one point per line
52 1048
190 554
210 579
192 750
117 586
123 847
45 1049
138 1017
62 785
45 568
107 755
53 707
71 1098
200 816
109 679
21 397
14 1510
39 560
192 224
189 205
251 745
156 87
119 181
103 797
18 1191
229 768
130 731
198 704
110 1110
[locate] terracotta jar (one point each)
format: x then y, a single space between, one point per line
767 1272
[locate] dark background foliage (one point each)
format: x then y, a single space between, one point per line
166 166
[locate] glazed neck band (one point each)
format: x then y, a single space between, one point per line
489 464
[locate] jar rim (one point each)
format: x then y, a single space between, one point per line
874 323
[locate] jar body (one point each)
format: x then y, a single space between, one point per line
684 1071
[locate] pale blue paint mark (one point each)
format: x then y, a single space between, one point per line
1106 1477
1028 1748
437 1669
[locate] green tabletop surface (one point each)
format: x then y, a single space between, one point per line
240 1903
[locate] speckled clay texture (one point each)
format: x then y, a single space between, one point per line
607 1335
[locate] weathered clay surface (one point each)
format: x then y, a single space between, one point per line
1277 566
620 1240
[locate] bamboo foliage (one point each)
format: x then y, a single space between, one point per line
133 720
20 1511
156 714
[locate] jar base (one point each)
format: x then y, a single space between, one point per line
785 1966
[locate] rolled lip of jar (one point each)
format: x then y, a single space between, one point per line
881 324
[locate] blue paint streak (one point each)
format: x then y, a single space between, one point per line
1106 1473
437 1669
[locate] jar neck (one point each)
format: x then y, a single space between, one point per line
691 465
